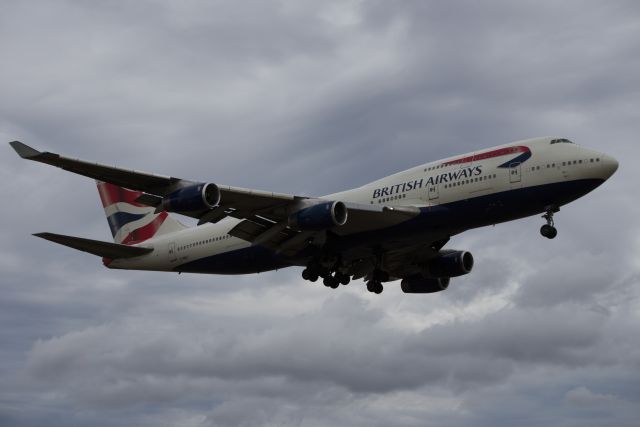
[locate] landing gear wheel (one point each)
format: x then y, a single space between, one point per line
342 278
309 274
331 282
374 286
379 288
548 231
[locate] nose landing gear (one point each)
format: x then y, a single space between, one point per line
548 230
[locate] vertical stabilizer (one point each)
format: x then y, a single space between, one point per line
131 222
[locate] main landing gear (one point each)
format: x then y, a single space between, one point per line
330 279
332 276
548 230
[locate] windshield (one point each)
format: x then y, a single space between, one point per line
561 141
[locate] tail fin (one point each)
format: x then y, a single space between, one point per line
130 221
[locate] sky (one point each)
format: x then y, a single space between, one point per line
314 98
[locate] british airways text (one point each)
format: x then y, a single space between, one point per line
432 180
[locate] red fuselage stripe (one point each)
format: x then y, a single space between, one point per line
489 155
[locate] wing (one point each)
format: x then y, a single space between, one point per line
265 214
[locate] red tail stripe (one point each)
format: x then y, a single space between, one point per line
110 194
148 231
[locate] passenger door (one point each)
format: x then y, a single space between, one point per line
515 173
432 192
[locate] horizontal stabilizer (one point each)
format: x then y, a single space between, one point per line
24 150
96 247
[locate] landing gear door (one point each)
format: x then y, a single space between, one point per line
515 173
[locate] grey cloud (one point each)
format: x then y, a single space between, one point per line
314 99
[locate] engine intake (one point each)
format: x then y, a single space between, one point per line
421 285
451 264
194 198
320 216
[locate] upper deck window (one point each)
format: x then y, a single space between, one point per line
561 141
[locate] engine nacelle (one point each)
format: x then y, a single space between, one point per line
194 198
420 285
451 264
320 216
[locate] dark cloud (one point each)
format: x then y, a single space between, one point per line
315 99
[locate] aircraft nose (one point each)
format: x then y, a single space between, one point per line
609 165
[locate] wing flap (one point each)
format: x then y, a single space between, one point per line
96 247
260 234
371 217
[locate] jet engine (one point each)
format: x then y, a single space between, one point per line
320 216
420 285
194 198
451 264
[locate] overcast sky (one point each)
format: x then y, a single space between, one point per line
313 98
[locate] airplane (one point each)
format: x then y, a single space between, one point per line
391 229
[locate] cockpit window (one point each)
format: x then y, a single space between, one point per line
561 141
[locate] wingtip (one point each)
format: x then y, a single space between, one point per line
24 150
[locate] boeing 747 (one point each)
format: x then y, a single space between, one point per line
395 228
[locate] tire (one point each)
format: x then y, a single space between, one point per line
331 282
344 279
548 231
374 286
